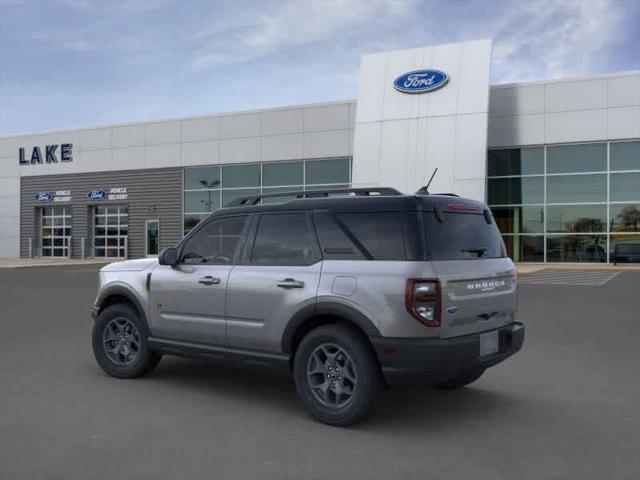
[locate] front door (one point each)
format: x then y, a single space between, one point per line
187 301
151 237
280 276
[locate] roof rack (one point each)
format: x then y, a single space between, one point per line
358 192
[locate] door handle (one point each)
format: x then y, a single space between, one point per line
209 280
290 283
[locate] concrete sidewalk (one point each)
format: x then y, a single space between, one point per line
523 268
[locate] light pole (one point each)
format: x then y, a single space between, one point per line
209 186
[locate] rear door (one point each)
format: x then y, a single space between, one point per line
279 276
478 280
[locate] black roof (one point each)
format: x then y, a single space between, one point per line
354 200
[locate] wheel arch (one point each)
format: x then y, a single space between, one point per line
324 313
116 294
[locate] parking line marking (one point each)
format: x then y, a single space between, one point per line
578 278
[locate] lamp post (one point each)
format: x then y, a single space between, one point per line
209 186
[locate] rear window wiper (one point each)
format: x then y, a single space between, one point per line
479 251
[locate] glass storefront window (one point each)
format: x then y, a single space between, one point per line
525 248
519 219
624 155
201 177
191 221
577 248
267 191
516 161
277 174
624 249
624 217
201 201
318 172
576 188
576 218
234 176
228 195
515 191
624 187
590 157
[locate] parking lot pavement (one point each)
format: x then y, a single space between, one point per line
567 406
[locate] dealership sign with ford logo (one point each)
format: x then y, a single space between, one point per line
420 81
44 196
97 195
113 194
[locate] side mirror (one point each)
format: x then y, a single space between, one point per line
168 256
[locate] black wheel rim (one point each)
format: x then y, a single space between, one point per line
331 375
121 341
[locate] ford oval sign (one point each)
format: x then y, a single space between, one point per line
44 196
420 81
97 195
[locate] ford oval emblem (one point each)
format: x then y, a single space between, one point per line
44 196
97 195
420 81
452 309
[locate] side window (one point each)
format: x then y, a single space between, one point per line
381 234
283 239
334 242
215 243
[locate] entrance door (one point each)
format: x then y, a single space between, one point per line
152 237
187 300
110 231
55 233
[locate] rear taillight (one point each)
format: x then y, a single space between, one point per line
422 300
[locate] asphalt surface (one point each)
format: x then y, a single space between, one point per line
567 406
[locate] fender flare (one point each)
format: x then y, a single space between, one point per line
346 312
123 291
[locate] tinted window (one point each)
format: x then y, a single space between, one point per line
516 161
334 242
283 240
202 177
519 219
515 191
625 156
577 158
382 235
576 188
327 171
215 243
462 236
576 218
625 187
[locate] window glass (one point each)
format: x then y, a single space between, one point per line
277 174
525 248
334 242
191 221
382 235
283 239
516 161
624 187
624 249
327 171
204 201
519 219
576 188
624 217
515 191
624 156
576 248
287 198
201 177
577 158
228 195
214 243
240 176
576 218
462 236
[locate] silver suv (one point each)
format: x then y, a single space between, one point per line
348 291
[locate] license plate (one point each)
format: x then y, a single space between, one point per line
489 343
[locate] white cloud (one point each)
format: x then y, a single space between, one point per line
547 38
290 24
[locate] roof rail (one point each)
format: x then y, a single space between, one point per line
358 192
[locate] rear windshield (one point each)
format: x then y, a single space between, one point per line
462 236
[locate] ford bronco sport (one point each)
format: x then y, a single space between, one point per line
348 291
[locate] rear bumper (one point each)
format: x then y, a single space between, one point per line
432 360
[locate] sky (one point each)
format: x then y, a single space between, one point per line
79 63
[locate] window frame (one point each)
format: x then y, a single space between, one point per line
194 231
245 257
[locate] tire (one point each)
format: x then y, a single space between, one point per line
357 387
122 351
460 380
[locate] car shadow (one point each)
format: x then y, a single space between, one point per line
405 409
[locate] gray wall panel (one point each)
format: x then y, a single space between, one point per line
152 193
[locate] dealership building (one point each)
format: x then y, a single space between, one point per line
557 161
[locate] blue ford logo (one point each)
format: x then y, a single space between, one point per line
97 195
452 309
420 81
44 196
